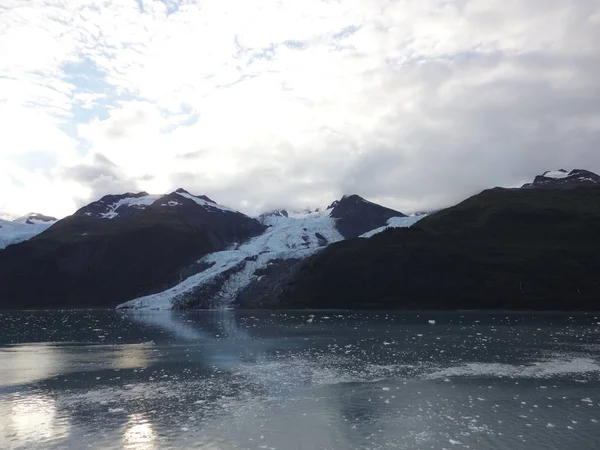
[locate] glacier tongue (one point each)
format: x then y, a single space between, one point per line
395 222
232 270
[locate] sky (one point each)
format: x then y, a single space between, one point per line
274 103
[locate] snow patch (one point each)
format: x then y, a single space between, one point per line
310 214
206 204
130 202
395 222
556 174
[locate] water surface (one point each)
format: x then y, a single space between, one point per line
299 380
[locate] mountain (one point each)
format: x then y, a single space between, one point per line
118 206
503 248
36 218
119 248
251 274
356 216
563 179
229 272
23 228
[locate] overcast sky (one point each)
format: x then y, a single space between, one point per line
415 104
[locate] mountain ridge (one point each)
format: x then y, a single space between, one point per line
180 250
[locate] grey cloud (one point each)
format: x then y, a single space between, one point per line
102 177
539 112
415 127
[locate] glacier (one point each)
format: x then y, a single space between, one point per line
15 232
234 269
229 272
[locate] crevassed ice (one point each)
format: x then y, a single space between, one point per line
14 232
286 238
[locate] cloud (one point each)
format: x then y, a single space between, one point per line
101 177
413 104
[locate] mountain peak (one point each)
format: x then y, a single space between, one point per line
35 218
182 192
564 179
122 205
356 216
348 198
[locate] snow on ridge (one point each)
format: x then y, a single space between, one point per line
130 202
286 238
395 222
557 174
309 214
205 204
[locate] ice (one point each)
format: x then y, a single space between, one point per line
130 202
286 238
15 232
206 204
543 369
395 222
556 174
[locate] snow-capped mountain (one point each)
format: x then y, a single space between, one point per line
23 228
355 216
118 248
35 219
118 206
564 179
250 272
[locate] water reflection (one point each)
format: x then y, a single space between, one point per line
139 434
131 356
23 364
33 419
224 342
223 380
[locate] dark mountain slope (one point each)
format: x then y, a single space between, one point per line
503 248
354 215
89 260
563 179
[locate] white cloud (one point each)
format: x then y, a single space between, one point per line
268 103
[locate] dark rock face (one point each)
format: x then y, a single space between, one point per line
354 215
562 179
114 206
270 284
90 260
504 248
